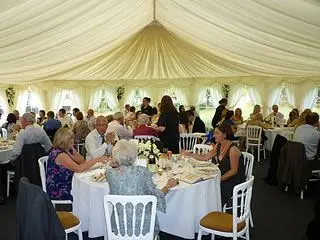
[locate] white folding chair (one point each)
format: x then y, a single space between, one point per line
201 149
121 207
248 159
10 176
187 141
80 147
254 140
146 137
227 225
43 169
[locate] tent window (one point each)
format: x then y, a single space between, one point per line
316 107
104 106
284 106
176 101
245 103
67 102
206 101
31 103
137 98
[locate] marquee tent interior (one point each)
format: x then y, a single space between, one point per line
77 53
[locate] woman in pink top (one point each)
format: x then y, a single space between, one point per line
142 128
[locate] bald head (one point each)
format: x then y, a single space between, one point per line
101 125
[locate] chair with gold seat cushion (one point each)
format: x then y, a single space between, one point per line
70 223
220 221
227 225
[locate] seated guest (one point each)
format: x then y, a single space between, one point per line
129 179
126 109
109 118
99 143
301 120
91 120
228 120
30 135
65 119
256 115
35 116
183 123
10 125
132 109
296 111
309 136
138 113
42 118
131 121
196 125
279 118
74 113
80 128
117 126
51 125
63 161
292 116
145 107
142 128
181 109
255 121
155 115
193 109
17 114
237 117
230 160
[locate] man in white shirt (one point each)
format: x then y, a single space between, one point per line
310 136
279 118
91 120
126 109
98 142
64 118
117 126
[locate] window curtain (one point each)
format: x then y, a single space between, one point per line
22 101
235 95
310 99
215 92
95 98
274 96
181 97
290 92
56 99
111 97
4 105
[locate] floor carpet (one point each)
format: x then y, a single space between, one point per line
277 215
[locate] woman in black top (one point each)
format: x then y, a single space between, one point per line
218 114
229 159
168 125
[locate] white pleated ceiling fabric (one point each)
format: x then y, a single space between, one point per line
112 40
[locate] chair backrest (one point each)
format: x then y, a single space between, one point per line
43 169
248 160
241 204
254 134
187 141
119 208
201 149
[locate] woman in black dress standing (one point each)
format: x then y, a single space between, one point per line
229 159
218 114
168 125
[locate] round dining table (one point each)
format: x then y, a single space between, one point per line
4 155
186 205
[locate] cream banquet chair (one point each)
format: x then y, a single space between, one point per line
10 176
112 205
187 141
43 168
201 149
70 223
231 225
253 139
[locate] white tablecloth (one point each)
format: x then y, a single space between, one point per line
4 155
186 205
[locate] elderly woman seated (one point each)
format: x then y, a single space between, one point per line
142 128
63 161
128 179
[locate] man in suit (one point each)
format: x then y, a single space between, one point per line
195 123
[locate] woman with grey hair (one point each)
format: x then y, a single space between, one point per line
128 179
142 128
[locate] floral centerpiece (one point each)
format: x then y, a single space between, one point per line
120 92
146 147
268 120
10 94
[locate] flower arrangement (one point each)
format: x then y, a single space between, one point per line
120 92
145 148
10 94
268 120
226 90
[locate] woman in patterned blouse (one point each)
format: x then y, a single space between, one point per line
63 161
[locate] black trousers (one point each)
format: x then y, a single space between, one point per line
3 178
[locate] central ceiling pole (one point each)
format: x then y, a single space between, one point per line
154 10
